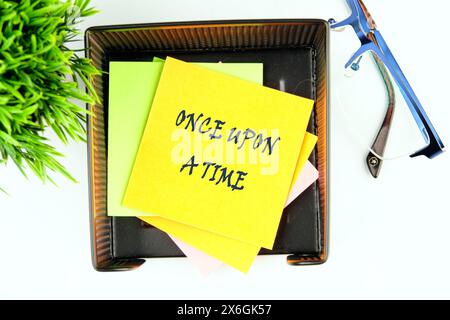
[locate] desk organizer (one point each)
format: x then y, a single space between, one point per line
295 58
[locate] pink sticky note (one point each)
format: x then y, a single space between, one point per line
206 263
307 176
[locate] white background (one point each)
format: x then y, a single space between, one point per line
389 237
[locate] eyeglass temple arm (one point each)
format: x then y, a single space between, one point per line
358 11
374 159
434 143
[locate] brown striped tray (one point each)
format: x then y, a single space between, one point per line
295 58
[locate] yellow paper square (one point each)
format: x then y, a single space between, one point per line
158 185
237 254
234 253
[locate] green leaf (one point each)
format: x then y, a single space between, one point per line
5 121
8 43
8 139
51 9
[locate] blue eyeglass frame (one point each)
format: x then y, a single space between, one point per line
360 24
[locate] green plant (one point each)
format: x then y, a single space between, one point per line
39 81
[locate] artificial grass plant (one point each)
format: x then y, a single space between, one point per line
39 81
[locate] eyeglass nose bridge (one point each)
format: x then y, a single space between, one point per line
336 25
353 16
356 19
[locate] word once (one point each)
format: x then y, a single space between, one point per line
203 125
217 173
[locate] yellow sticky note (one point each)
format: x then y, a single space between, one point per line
218 153
234 253
237 254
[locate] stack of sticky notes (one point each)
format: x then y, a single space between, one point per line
207 154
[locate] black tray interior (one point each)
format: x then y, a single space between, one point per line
290 68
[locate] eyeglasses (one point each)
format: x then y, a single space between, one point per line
373 44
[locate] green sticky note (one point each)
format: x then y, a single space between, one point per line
132 86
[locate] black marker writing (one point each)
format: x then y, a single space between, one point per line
205 125
219 175
191 164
